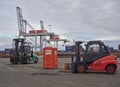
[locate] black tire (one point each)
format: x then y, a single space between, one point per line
36 61
12 61
111 69
28 61
81 68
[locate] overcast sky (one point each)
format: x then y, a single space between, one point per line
73 19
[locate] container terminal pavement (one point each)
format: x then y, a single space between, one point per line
33 75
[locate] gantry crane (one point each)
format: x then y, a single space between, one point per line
22 26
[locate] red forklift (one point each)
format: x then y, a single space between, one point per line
95 58
22 52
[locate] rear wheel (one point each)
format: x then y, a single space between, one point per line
81 68
111 69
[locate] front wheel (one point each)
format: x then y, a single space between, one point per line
36 61
81 68
111 69
28 61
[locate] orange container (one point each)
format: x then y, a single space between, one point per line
40 31
50 57
56 37
32 31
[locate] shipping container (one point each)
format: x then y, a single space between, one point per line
31 31
2 52
70 48
110 49
8 51
56 37
36 31
40 31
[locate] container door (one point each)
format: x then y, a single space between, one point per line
48 57
55 59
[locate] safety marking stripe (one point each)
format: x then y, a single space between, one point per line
30 69
7 67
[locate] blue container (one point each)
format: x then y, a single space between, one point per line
110 49
2 52
70 48
8 51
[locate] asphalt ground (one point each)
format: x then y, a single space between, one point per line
33 75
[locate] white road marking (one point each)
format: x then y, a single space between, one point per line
7 67
30 69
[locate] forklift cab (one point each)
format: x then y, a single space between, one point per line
94 50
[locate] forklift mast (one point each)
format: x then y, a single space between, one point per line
77 48
19 47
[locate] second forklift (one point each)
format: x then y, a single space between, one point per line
22 53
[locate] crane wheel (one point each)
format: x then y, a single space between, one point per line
111 69
81 68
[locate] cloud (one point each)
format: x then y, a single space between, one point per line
5 42
78 19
